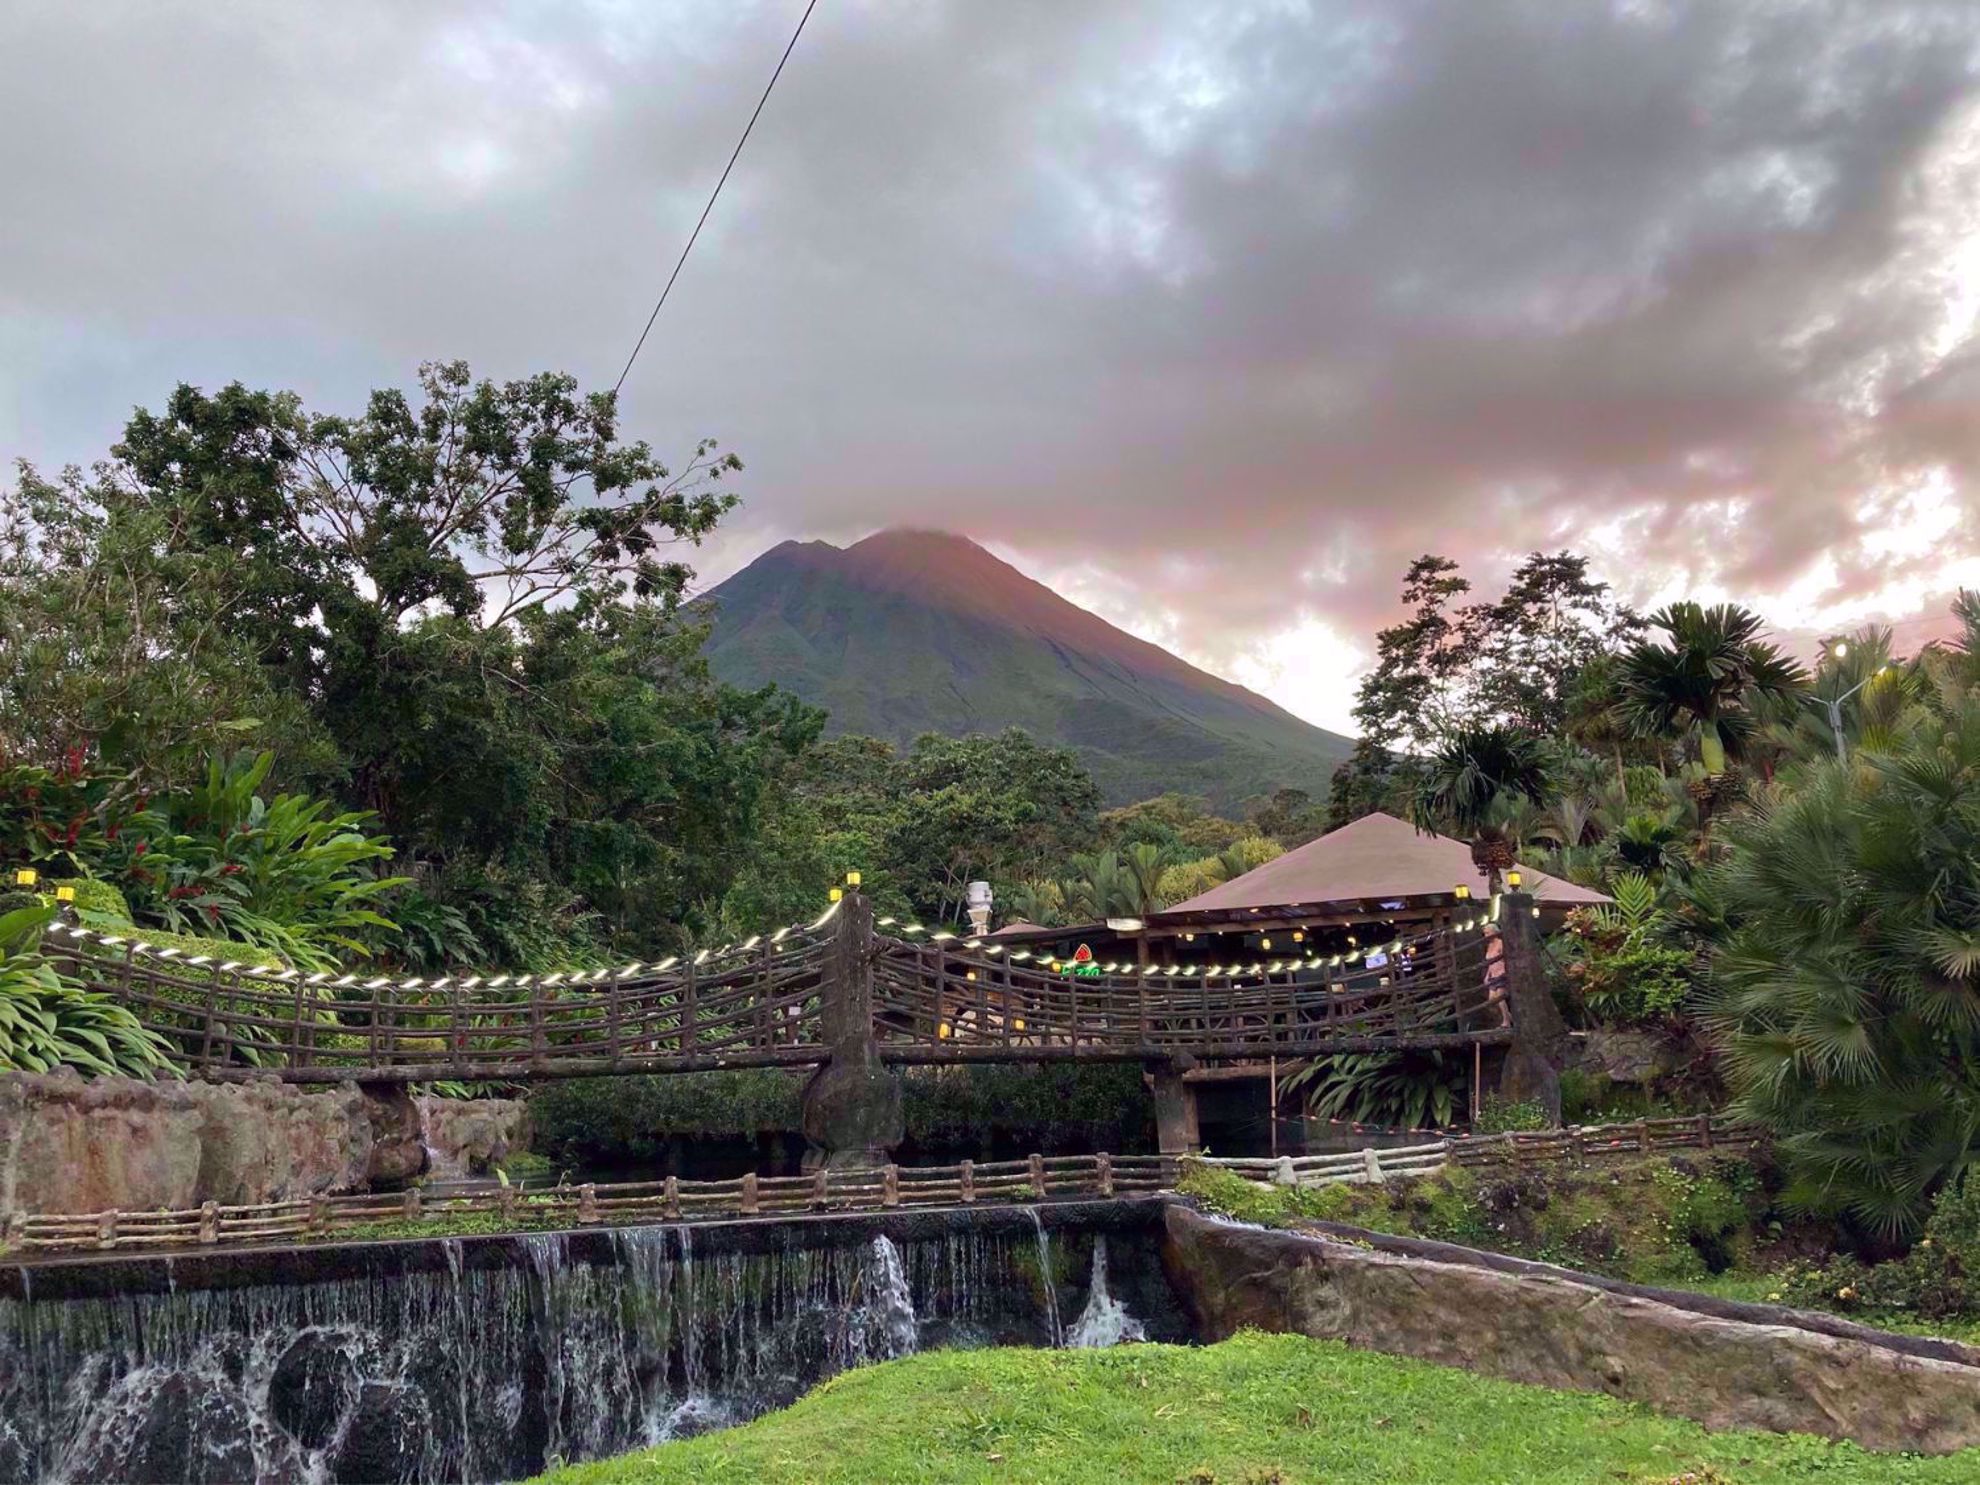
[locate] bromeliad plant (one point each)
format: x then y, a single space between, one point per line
1623 960
45 1024
285 873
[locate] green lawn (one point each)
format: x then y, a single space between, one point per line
1257 1410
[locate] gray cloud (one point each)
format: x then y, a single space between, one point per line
1259 299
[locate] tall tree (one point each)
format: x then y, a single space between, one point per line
1420 684
1553 622
470 599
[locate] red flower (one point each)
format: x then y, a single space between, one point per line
230 868
138 849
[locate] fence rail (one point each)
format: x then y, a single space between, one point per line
881 1188
1523 1147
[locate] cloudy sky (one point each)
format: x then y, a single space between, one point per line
1212 314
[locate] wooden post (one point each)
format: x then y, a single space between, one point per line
206 1034
106 1230
1642 1134
507 1203
688 1010
821 1187
1371 1167
409 1204
749 1194
587 1211
319 1214
1272 1101
1104 1170
968 1182
670 1199
615 995
458 1028
1705 1130
296 1023
209 1223
1037 1175
16 1229
890 1185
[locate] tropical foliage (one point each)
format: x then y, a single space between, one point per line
1625 962
46 1024
1848 963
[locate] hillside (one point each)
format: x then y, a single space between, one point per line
917 631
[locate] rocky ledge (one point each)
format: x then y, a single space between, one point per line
1546 1326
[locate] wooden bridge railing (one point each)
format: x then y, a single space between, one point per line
768 1002
756 1003
936 1002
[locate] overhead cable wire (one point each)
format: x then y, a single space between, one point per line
734 155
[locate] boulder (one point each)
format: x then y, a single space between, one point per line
471 1137
398 1146
1546 1328
1623 1055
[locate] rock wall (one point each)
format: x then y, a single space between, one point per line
470 1137
1545 1328
70 1145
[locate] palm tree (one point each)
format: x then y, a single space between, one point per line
1848 972
1472 776
1142 865
1705 680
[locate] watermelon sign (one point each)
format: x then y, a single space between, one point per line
1082 961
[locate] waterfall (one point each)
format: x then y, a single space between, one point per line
1047 1281
890 1329
1105 1321
502 1355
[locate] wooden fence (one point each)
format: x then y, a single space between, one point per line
881 1188
1524 1147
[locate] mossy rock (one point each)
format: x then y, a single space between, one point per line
98 904
221 950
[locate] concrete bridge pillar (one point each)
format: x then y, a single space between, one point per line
851 1109
1531 1071
1176 1129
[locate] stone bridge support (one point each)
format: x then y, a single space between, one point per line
851 1109
1531 1071
1176 1129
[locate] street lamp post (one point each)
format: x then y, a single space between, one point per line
1834 705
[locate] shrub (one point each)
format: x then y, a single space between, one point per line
286 873
1496 1116
45 1024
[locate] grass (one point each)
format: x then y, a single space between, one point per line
1255 1410
1767 1289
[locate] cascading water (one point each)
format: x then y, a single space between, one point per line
1047 1280
484 1361
1105 1321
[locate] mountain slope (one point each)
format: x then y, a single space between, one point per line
919 631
